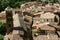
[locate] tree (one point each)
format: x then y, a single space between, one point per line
2 28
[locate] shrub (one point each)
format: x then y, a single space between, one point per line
1 37
2 30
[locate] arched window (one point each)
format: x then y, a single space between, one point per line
47 20
55 19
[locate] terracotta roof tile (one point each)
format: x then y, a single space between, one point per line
46 27
48 9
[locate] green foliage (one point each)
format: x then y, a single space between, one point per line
2 28
1 37
17 3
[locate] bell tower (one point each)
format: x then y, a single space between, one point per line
9 20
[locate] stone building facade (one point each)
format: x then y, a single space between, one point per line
35 22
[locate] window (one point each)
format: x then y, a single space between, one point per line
51 20
9 14
55 19
42 32
47 20
10 25
9 19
